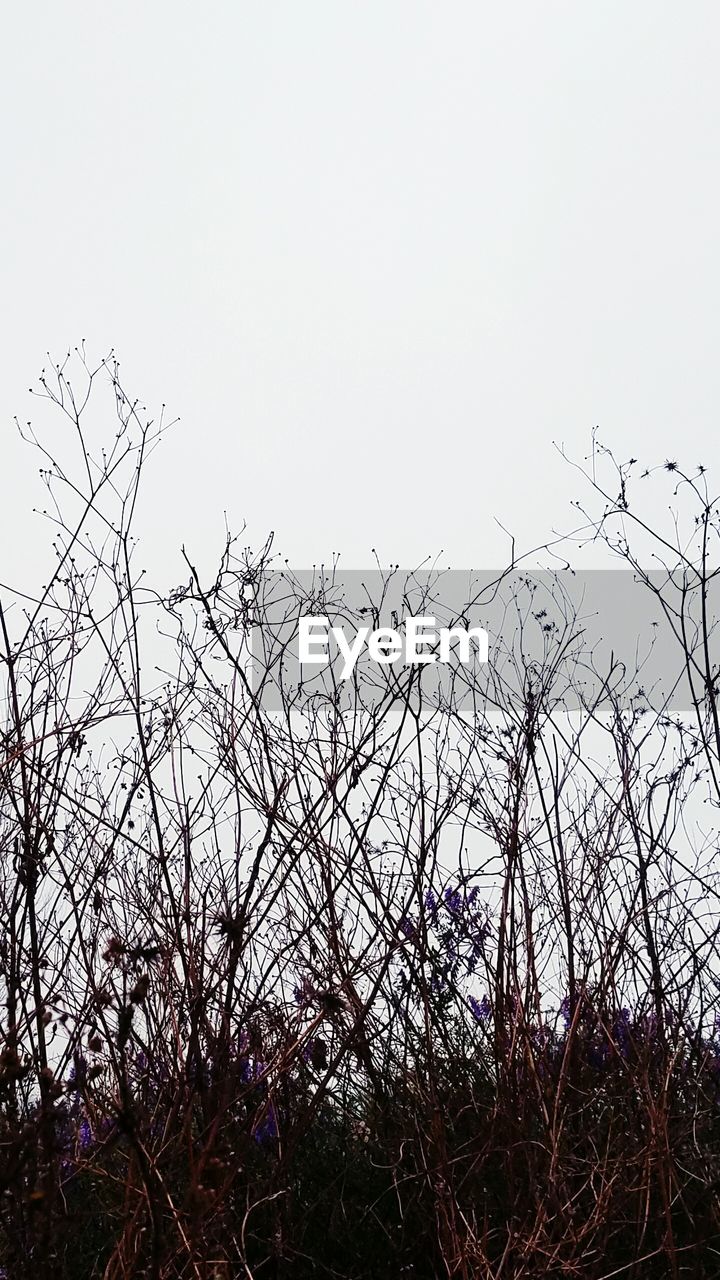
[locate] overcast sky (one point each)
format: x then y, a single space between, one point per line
378 256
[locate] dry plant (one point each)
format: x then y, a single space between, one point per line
426 987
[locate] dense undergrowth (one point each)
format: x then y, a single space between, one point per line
525 1149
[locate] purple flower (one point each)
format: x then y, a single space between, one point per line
477 949
430 902
304 992
314 1047
250 1070
267 1129
85 1136
481 1009
453 900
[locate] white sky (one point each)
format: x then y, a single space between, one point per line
377 256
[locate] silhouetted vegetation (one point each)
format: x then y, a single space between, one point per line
414 990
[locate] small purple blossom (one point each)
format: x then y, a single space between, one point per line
267 1129
453 900
85 1137
314 1052
481 1009
245 1070
251 1070
477 947
304 992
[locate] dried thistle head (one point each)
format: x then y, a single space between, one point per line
330 1001
114 951
228 926
140 990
